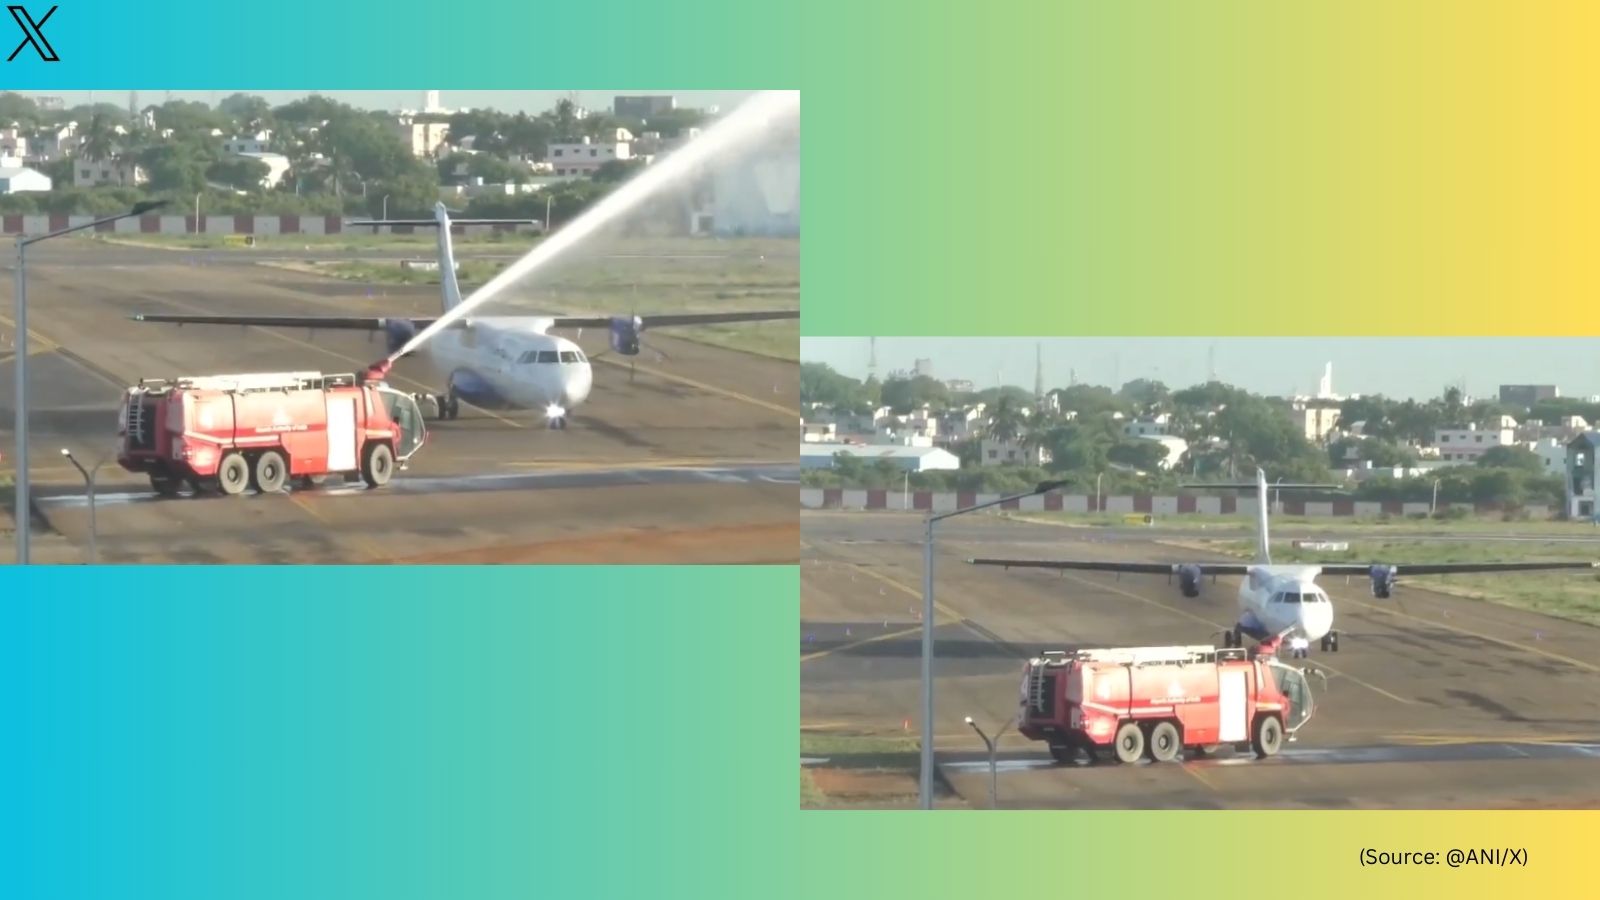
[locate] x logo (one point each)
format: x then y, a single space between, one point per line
32 34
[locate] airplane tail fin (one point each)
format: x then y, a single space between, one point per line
449 288
1263 547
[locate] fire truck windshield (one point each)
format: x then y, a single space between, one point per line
1292 682
403 409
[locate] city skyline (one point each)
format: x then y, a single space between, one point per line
504 101
1398 368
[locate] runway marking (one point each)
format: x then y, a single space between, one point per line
1590 667
735 395
904 632
367 547
271 332
1197 776
939 607
45 343
1446 740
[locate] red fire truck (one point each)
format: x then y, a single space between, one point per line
227 433
1131 702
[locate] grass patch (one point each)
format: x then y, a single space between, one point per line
1365 525
1571 595
862 770
811 796
421 241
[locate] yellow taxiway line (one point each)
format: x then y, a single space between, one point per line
689 382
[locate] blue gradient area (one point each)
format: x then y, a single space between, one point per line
408 44
407 732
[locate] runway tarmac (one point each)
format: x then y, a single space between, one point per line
1433 701
677 452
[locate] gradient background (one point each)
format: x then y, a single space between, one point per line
972 169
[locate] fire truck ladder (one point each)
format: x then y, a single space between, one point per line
252 382
136 422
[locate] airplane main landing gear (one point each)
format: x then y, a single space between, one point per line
448 405
1330 642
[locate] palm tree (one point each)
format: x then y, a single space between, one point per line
1006 423
99 139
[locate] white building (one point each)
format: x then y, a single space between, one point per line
586 156
420 138
1465 445
277 166
248 143
52 143
1552 454
1011 453
828 433
910 459
93 172
1151 426
19 179
13 142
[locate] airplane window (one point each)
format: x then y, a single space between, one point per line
528 357
581 357
548 356
567 356
1291 598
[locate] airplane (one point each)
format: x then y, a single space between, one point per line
1282 601
505 361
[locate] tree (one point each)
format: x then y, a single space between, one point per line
1513 457
246 110
618 170
239 172
1144 455
99 139
1146 394
1007 424
905 394
566 121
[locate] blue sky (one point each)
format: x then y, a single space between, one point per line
505 101
1396 367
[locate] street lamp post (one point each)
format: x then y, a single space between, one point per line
385 206
1097 503
89 482
1433 507
925 782
547 198
20 316
994 763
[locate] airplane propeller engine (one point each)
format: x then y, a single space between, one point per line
396 332
625 334
1383 580
1189 580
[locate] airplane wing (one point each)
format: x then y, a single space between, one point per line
345 323
1454 568
670 319
1140 568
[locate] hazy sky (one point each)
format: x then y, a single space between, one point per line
505 101
1395 367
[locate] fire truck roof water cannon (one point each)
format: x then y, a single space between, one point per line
1129 703
266 431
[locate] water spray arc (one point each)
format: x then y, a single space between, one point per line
743 125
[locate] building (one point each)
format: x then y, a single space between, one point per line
642 107
421 136
1465 445
757 195
1316 417
923 368
1525 395
20 179
93 172
248 143
1552 454
819 433
13 142
909 459
1150 426
1011 453
586 156
1580 480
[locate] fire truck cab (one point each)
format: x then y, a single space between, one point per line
227 433
1156 702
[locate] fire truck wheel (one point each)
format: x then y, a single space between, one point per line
1269 737
233 476
1129 744
1164 742
271 472
378 467
165 485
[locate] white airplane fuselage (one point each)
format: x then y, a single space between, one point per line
512 361
1284 600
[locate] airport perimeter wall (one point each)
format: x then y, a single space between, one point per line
929 501
229 224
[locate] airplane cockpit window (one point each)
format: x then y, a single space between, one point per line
548 356
528 357
1315 597
567 356
1291 598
